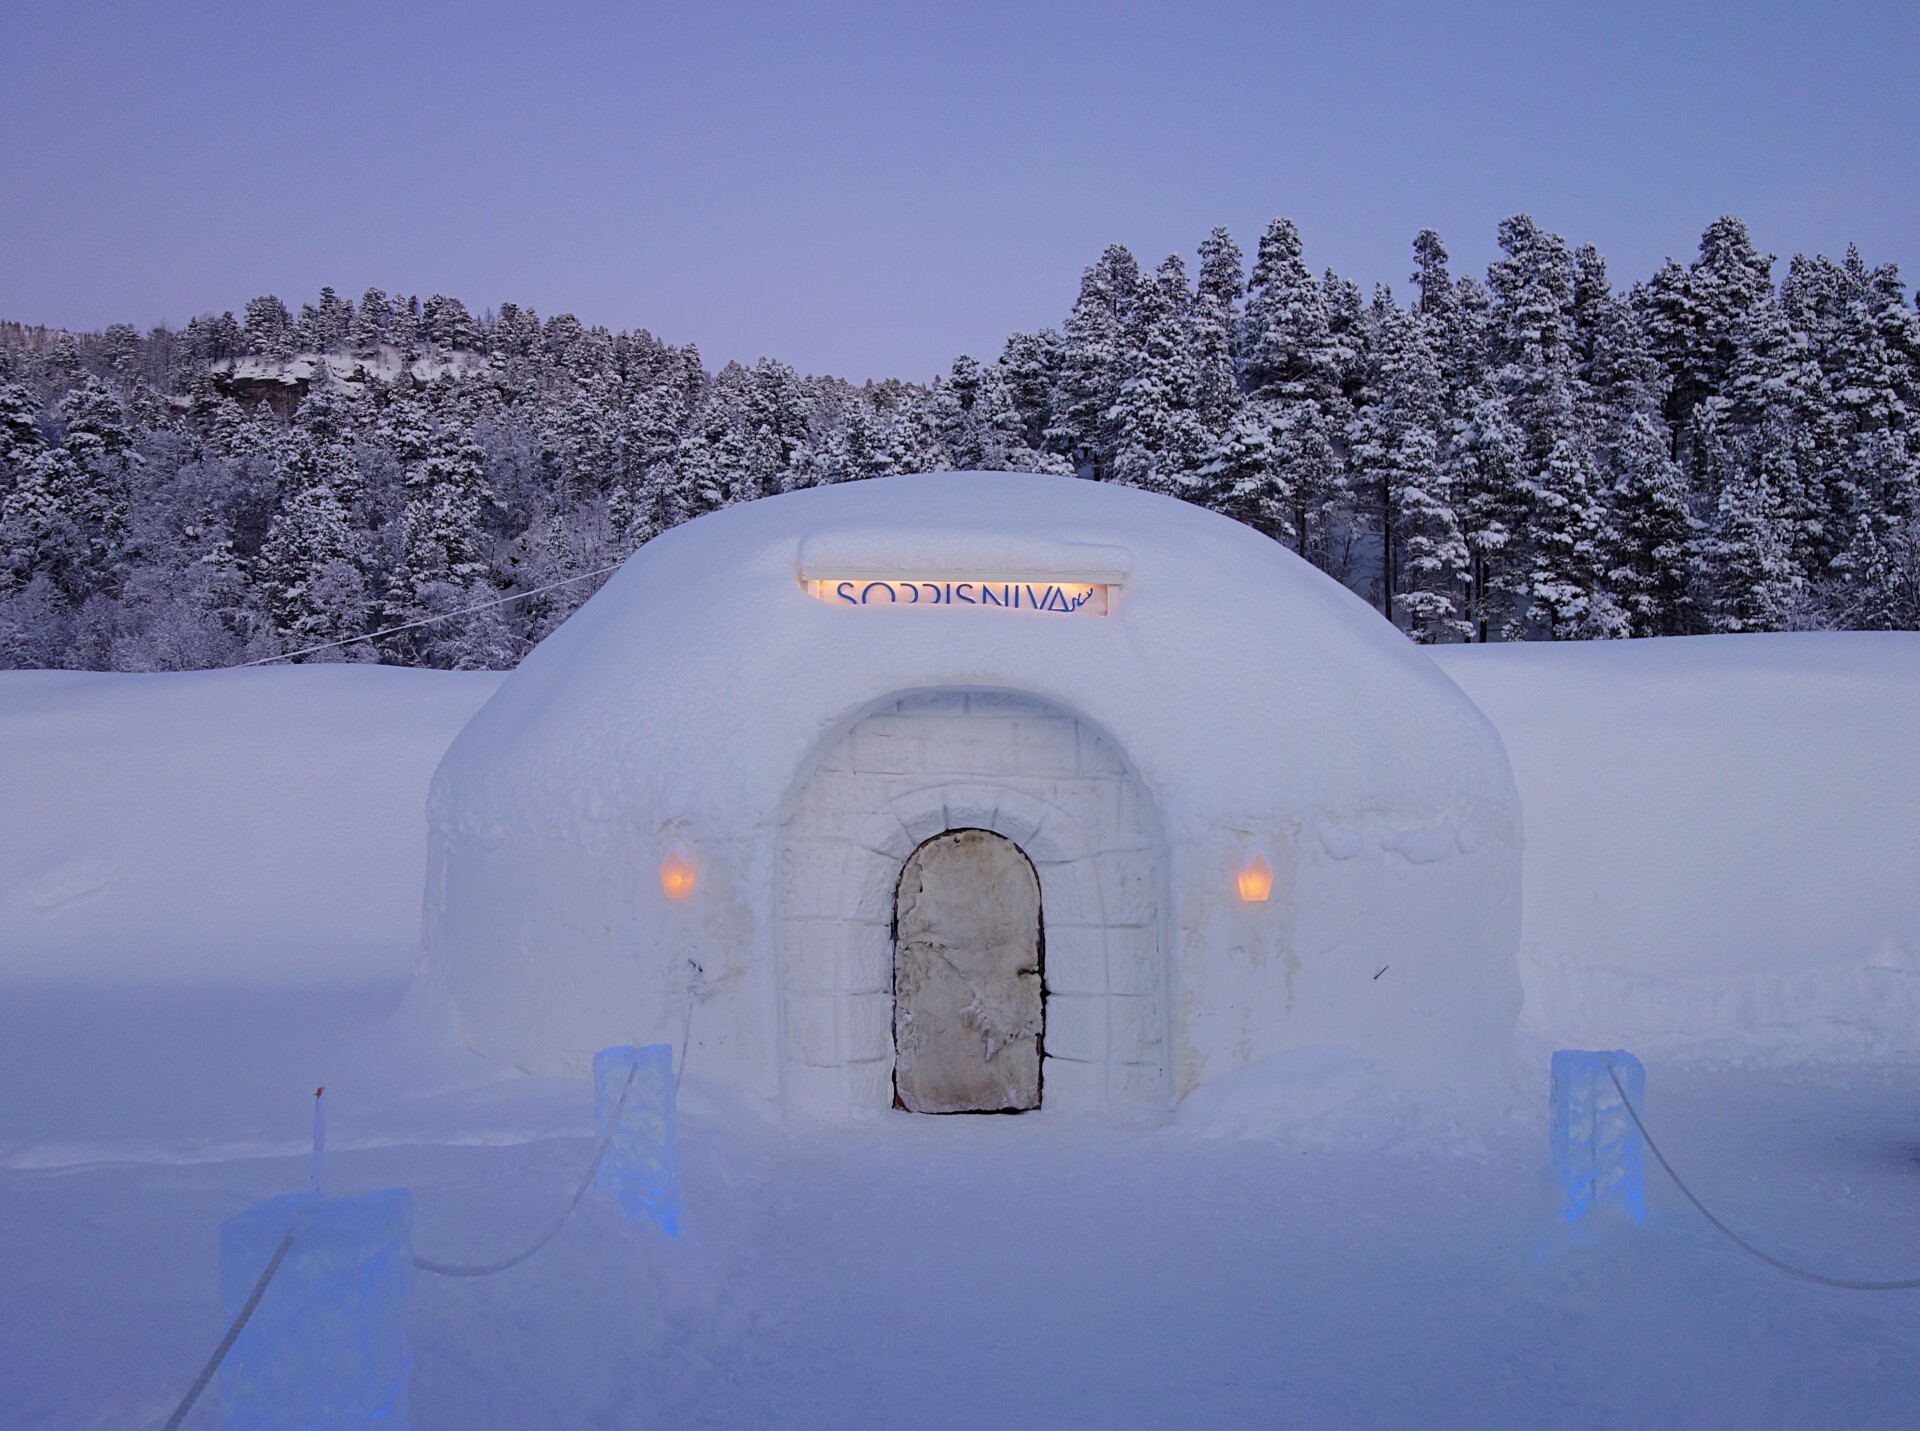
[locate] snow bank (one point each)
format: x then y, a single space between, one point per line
1723 839
230 826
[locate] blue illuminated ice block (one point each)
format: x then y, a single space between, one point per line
638 1169
327 1344
1598 1153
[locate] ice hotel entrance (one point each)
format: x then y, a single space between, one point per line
973 868
976 792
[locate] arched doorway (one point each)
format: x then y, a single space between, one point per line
968 1012
922 764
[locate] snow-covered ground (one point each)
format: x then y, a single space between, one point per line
208 888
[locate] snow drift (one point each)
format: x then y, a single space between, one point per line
1723 839
225 826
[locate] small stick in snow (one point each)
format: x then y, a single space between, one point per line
319 1135
1383 969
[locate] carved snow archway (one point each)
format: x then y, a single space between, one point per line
929 762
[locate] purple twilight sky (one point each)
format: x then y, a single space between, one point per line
872 189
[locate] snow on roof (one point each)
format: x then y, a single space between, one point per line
1235 676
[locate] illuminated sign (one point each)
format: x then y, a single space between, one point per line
1037 594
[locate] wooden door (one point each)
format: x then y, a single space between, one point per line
967 1012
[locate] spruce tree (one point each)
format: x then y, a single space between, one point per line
269 327
1397 451
1290 360
371 321
1242 476
1158 432
1757 585
1093 362
20 436
445 323
1215 325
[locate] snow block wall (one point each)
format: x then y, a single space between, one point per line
327 1344
1723 834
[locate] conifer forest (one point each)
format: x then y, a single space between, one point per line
1537 454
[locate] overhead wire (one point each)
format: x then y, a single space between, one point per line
429 620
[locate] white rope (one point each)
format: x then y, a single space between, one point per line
429 620
1738 1241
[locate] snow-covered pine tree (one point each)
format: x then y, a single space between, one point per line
1396 452
447 325
1289 358
1654 571
1878 568
583 440
1486 467
371 323
20 435
1242 476
43 532
1286 350
314 591
443 560
1030 368
324 328
1158 433
1571 545
1653 568
100 450
269 327
1093 362
1757 585
404 326
777 421
1215 325
1535 373
855 449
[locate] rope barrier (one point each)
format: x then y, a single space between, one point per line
429 620
424 1264
1745 1246
487 1269
233 1332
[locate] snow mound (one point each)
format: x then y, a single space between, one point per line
703 699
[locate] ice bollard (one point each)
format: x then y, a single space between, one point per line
1598 1153
638 1167
327 1344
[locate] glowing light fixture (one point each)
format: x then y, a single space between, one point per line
1255 879
677 873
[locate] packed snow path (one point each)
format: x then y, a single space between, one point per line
1375 1267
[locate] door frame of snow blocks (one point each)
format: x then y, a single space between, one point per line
1599 1157
638 1169
327 1344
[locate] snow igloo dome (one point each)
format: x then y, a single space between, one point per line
976 792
